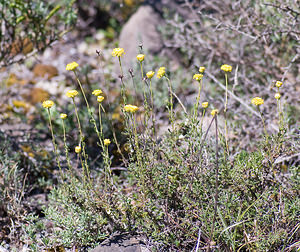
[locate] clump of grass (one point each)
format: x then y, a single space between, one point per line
186 193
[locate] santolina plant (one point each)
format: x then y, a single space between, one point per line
178 190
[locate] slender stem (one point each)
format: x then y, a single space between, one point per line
81 141
88 107
66 146
54 143
100 135
102 68
226 93
152 108
217 182
197 101
135 134
87 104
171 103
225 113
100 121
142 72
120 63
122 82
83 165
77 117
139 157
280 115
110 120
202 118
135 91
263 121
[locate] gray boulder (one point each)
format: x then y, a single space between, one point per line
141 28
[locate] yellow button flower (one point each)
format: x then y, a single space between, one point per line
214 112
63 116
131 108
97 92
118 52
72 93
48 104
277 96
278 84
226 68
150 74
198 77
77 149
257 101
161 72
201 69
106 142
72 66
100 99
140 57
19 104
204 105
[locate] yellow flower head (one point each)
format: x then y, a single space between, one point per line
204 105
150 74
198 77
118 52
63 116
277 96
72 66
77 149
140 57
106 142
201 69
257 101
214 112
100 98
97 92
161 72
226 68
19 104
72 93
278 84
131 108
48 104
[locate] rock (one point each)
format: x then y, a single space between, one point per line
42 70
121 243
141 28
36 95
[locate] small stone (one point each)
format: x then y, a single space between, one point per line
42 70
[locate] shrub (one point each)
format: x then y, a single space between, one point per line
183 189
32 25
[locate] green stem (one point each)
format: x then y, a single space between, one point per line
280 115
122 82
142 72
263 121
66 146
225 113
54 143
171 104
202 118
81 141
83 93
152 108
197 102
120 63
100 135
